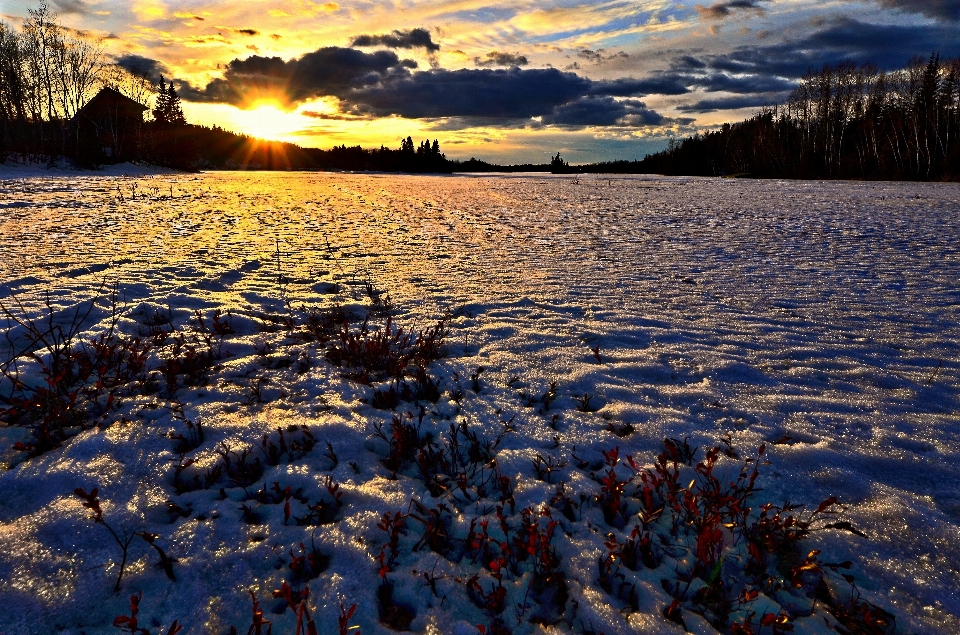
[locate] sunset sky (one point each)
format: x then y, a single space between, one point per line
510 81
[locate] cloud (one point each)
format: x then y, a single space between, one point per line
247 31
71 6
723 9
380 84
327 71
599 56
732 103
656 84
496 58
80 33
142 66
328 116
937 9
504 93
604 111
841 39
680 83
414 38
687 62
448 124
743 84
590 56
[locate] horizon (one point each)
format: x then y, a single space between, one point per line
506 83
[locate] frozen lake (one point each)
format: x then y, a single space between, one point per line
820 318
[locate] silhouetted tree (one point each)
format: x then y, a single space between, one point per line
559 166
174 109
168 109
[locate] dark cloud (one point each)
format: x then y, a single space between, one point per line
680 82
600 55
504 93
938 9
590 56
723 9
604 111
80 33
764 74
247 31
71 6
380 84
717 82
415 38
142 66
460 123
842 39
497 58
327 71
731 103
656 84
326 116
687 63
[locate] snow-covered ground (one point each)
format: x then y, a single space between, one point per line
22 169
817 319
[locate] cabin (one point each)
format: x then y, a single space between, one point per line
109 125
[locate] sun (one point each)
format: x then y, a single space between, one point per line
265 121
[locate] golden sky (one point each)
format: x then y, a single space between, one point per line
504 81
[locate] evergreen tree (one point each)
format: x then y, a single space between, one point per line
174 110
162 106
168 108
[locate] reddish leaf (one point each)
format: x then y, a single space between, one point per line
827 503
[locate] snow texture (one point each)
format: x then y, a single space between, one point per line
820 319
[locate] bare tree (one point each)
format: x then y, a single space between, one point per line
63 72
135 84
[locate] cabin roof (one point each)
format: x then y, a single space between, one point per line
108 98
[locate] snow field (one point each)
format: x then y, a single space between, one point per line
818 319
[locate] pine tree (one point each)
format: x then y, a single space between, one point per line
162 108
174 110
168 108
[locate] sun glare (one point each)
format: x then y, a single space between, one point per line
266 122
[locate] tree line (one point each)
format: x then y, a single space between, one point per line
845 121
425 157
